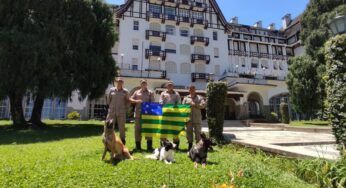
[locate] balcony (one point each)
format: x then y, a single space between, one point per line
198 6
238 53
159 2
201 76
155 54
201 40
167 18
199 22
171 3
200 57
279 57
153 16
185 4
152 35
147 73
183 21
260 55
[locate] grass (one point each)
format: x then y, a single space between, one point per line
311 123
68 154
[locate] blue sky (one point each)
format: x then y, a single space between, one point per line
250 11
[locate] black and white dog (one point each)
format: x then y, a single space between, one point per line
199 152
164 153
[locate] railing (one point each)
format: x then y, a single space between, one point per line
151 33
199 22
184 3
194 39
199 6
201 76
154 15
169 17
147 73
158 53
279 57
183 19
200 57
170 3
238 53
258 54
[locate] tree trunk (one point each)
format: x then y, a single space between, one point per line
17 111
36 114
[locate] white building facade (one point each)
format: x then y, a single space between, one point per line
190 42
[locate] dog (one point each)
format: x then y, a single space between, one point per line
164 153
113 145
199 152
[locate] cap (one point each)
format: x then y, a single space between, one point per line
119 79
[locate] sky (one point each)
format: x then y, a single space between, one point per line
251 11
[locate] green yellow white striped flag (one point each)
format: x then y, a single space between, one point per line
163 121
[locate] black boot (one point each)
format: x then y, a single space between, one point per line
176 145
190 146
150 146
138 147
123 141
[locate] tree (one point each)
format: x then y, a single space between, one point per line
303 85
17 54
335 51
216 97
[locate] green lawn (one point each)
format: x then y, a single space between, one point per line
68 154
311 123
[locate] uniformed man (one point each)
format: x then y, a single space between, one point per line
144 95
194 125
170 97
118 100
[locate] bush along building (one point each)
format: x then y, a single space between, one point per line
190 42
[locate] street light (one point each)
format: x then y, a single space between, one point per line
338 24
159 60
122 61
236 68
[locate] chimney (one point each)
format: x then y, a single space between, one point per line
258 24
286 20
271 26
234 20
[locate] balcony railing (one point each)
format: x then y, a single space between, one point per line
154 15
259 55
202 22
169 17
155 53
159 34
183 20
147 73
204 40
279 57
200 57
201 76
156 1
238 53
199 6
186 4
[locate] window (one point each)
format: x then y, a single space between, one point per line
135 44
185 68
264 64
289 52
155 26
171 67
197 15
135 47
170 48
216 52
243 62
254 63
136 25
155 8
253 47
257 38
185 49
247 37
170 11
275 65
263 48
277 50
184 13
236 35
170 30
134 67
184 32
154 65
214 35
200 68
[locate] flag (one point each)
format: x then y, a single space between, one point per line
163 120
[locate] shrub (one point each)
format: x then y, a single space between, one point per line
216 96
335 53
73 115
273 117
285 116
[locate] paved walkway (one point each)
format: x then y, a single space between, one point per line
276 140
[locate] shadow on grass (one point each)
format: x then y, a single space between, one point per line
52 132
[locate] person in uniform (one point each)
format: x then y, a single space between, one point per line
118 100
144 95
170 97
194 125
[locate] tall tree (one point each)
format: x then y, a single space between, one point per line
303 85
17 54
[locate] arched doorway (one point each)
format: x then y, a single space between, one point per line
255 104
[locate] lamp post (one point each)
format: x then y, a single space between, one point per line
159 60
122 60
236 68
338 24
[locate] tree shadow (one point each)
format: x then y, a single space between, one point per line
52 132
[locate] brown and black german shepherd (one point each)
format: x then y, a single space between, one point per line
113 145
